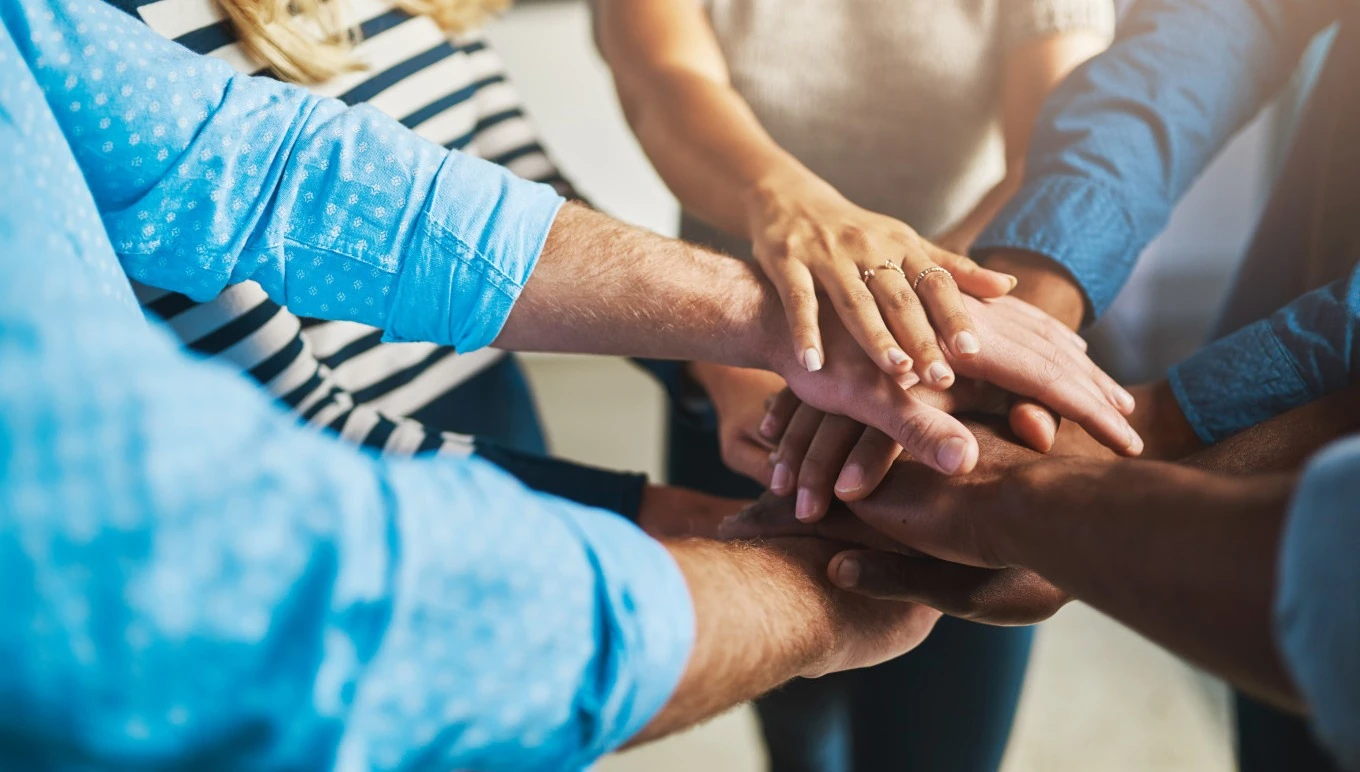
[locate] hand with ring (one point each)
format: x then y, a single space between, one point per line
900 297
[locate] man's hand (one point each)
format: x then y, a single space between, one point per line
740 398
670 512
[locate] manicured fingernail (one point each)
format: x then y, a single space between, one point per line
851 479
767 427
966 343
950 455
812 360
803 509
1125 399
782 479
938 373
898 357
847 573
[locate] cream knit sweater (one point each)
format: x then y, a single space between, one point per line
894 102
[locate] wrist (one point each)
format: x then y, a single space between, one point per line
1160 421
1044 283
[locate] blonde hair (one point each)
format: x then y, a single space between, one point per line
309 41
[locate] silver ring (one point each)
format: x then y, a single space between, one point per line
915 285
887 265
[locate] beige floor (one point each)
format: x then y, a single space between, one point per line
1097 697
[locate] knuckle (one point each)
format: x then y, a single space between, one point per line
903 299
852 235
915 431
799 297
937 281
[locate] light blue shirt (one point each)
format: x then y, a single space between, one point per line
188 576
1317 611
1118 145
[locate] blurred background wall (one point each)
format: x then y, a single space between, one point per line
1097 697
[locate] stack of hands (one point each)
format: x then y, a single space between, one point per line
904 462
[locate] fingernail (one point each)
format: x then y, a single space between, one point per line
1135 443
938 373
898 357
812 360
774 458
782 479
738 526
1015 282
803 509
1048 421
767 427
1126 401
966 343
847 573
950 455
851 479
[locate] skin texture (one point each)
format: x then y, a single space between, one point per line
1184 553
640 294
813 243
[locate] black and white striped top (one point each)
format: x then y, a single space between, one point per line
341 375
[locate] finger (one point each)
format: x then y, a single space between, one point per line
912 327
867 465
929 434
1034 425
939 293
778 412
1036 368
745 456
788 457
998 597
1045 325
798 293
859 311
972 278
825 457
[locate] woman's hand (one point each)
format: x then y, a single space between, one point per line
906 316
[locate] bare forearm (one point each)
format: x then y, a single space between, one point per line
762 618
1285 443
1185 557
602 287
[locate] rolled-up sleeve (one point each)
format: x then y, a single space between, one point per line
1303 352
1121 140
205 177
1317 611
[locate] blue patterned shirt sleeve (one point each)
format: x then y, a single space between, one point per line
1317 611
1301 353
190 578
338 213
1121 140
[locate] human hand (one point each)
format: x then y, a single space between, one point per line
861 631
882 568
740 399
809 238
673 512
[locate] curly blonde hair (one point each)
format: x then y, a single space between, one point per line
309 41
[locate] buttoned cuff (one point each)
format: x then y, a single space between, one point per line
650 630
1237 382
1077 223
474 248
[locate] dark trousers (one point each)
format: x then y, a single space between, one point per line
946 706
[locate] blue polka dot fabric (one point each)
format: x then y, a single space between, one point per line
191 580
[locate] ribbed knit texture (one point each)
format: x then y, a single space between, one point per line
894 102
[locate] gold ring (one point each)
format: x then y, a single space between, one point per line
887 265
915 285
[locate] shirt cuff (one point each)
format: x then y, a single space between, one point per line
1317 621
473 250
1237 382
1075 222
650 633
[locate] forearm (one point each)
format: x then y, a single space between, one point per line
698 132
601 287
1182 556
762 617
1284 444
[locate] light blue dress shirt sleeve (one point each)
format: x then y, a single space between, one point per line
205 177
1301 353
1317 611
193 580
1121 140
